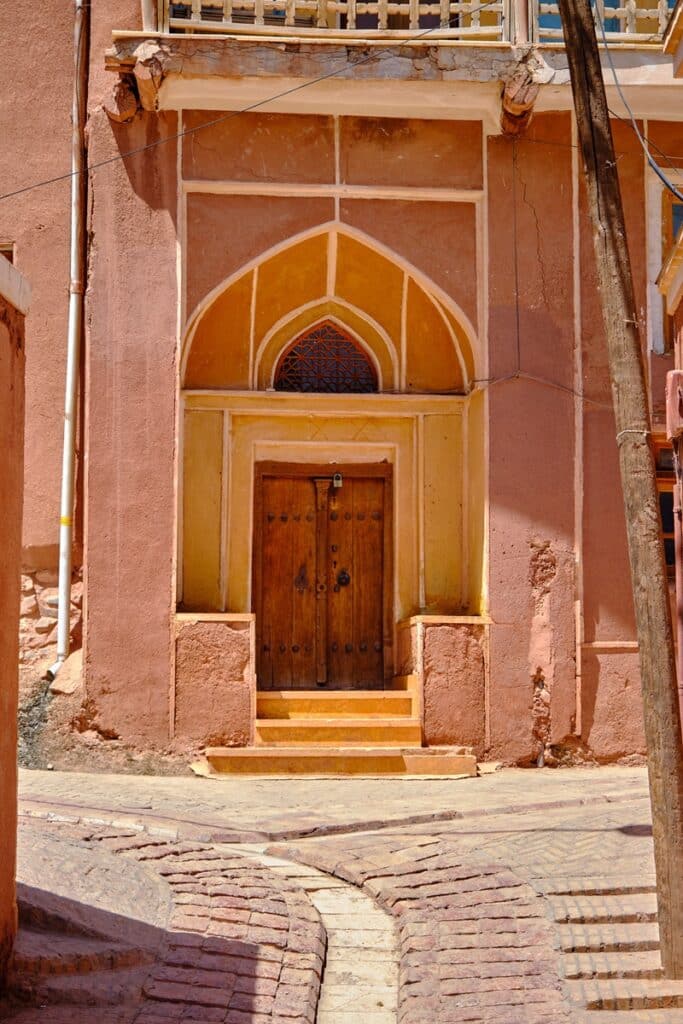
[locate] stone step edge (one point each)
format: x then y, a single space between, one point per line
637 965
315 751
323 760
335 722
624 994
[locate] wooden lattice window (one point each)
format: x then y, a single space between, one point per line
325 359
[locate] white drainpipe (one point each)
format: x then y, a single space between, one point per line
75 326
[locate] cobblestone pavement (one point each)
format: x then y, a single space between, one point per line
520 898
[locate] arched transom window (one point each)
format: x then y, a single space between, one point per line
325 359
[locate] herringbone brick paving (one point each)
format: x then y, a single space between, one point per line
479 942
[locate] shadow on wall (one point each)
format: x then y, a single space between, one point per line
151 172
74 962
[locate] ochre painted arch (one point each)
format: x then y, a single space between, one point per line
419 341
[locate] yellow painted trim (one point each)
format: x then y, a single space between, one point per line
446 620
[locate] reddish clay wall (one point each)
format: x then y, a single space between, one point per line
36 57
535 503
609 686
33 39
454 686
11 488
531 488
215 687
131 346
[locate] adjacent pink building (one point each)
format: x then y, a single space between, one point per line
347 477
14 302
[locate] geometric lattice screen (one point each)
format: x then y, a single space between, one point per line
325 360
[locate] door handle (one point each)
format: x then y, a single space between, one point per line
343 579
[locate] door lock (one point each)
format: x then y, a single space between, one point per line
343 579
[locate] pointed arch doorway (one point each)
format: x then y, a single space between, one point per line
322 542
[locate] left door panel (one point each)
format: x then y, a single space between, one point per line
286 584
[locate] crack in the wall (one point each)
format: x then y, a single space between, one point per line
539 235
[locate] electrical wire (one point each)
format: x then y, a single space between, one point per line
234 113
674 162
520 374
525 140
634 124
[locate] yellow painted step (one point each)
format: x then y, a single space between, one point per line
366 732
334 704
226 761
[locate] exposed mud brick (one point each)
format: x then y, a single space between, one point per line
231 914
247 1017
195 976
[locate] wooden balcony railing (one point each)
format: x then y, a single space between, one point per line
625 21
465 19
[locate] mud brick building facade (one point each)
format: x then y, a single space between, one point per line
347 469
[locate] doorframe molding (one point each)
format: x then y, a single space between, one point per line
355 470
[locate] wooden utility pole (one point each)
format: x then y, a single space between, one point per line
638 477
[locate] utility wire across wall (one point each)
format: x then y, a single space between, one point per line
518 374
236 113
332 74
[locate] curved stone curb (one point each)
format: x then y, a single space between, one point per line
360 980
475 942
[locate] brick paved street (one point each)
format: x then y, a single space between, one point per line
522 897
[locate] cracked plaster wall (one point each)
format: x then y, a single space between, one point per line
531 437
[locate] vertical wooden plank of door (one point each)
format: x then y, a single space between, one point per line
277 578
304 537
340 559
368 606
322 488
264 666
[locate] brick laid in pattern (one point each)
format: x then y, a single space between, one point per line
476 945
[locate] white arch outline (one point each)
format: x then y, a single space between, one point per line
433 290
291 316
458 351
332 319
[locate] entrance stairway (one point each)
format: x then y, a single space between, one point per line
339 732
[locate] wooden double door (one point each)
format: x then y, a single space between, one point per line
322 576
